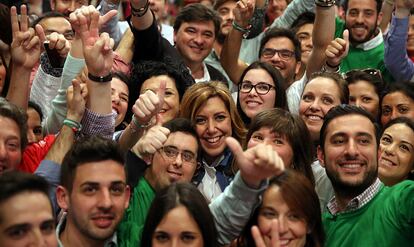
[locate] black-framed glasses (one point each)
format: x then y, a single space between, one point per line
283 53
172 152
261 88
370 71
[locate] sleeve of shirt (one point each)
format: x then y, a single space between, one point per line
97 124
50 171
232 209
57 114
395 54
112 26
291 13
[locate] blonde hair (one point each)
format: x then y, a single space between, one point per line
196 95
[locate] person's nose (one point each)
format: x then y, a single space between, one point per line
352 148
105 199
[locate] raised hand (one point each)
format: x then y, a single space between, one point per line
97 49
243 12
337 50
76 98
256 163
261 241
152 140
25 47
149 104
87 11
56 41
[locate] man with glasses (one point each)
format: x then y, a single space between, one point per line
175 148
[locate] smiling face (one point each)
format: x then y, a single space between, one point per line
252 103
292 228
288 67
213 125
278 142
165 170
171 105
67 6
97 201
363 94
396 104
319 96
396 160
361 20
28 222
304 35
34 127
119 96
194 41
410 37
178 228
349 154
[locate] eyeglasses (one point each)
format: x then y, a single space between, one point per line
283 53
370 71
261 88
172 152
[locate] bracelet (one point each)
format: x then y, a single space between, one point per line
101 79
141 11
240 28
325 3
135 125
75 126
330 66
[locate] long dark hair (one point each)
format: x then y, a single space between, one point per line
180 194
280 96
300 195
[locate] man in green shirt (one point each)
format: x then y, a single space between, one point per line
363 212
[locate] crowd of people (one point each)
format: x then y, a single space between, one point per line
244 123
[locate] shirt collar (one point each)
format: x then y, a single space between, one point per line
111 242
205 78
372 43
358 201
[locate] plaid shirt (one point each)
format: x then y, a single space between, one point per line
357 202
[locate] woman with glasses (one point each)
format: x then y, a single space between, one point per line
396 161
365 89
212 111
260 88
398 101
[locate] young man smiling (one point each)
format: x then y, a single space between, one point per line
349 152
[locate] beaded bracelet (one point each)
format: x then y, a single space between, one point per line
75 126
135 125
141 11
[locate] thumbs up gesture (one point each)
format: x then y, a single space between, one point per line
256 163
149 104
337 50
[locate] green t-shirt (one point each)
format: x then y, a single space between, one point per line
387 220
363 58
130 229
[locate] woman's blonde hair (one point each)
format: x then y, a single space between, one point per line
196 95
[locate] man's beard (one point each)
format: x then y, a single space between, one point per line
221 37
370 35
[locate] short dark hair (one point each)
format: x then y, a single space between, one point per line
47 15
218 3
36 107
303 19
15 182
360 75
183 125
197 12
281 33
297 134
144 70
188 196
279 81
343 110
300 196
339 81
378 2
11 111
85 150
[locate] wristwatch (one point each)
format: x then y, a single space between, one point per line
325 3
102 79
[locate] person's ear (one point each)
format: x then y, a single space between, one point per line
321 156
297 67
62 197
